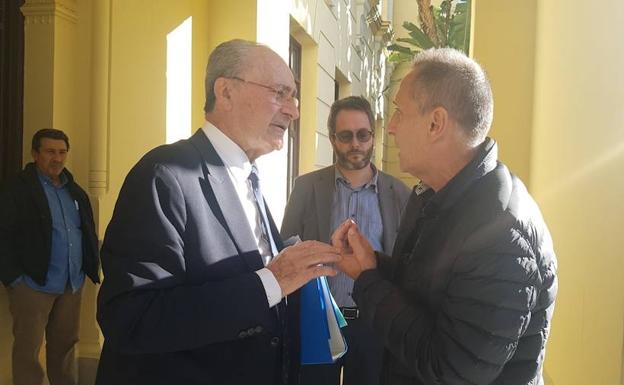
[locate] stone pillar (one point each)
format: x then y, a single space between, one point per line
98 161
42 24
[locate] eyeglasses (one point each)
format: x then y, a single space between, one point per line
363 135
283 94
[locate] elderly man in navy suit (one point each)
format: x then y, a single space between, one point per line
195 273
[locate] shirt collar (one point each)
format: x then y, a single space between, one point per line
233 157
47 180
421 187
372 183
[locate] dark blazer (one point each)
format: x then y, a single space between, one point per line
26 228
468 295
181 302
308 212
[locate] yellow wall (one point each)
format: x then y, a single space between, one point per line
504 44
229 20
403 11
559 98
576 172
138 76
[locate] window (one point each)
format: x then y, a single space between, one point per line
294 61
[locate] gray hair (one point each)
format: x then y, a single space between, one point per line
446 77
227 60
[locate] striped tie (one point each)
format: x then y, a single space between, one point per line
266 229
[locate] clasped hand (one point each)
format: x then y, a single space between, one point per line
298 264
357 253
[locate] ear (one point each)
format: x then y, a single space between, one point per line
439 123
223 93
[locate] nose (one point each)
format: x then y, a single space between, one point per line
355 142
291 109
392 124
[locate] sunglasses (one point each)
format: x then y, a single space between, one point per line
363 135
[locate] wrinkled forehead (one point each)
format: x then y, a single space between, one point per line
267 66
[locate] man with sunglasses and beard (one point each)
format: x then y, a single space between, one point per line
321 201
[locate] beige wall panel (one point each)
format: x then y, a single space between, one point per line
325 86
326 22
356 87
327 54
356 67
324 152
322 113
343 41
303 13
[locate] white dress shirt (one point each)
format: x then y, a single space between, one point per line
239 168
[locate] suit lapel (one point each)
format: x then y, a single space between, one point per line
225 196
323 193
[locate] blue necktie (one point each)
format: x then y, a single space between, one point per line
266 229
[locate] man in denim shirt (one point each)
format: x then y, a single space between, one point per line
47 245
321 201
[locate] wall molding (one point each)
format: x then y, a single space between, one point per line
45 11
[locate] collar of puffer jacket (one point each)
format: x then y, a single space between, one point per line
483 162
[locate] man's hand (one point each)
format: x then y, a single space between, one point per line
298 264
357 253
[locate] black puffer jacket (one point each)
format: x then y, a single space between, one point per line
470 291
26 228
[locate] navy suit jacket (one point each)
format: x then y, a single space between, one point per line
180 302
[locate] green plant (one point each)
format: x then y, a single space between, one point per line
445 26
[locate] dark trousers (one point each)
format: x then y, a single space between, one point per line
361 365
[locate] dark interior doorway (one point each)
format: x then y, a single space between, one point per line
11 87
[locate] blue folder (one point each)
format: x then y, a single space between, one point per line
322 341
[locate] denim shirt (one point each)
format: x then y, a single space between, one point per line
362 205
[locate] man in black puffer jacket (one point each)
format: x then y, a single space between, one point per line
468 294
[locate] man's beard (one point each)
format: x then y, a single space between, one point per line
342 158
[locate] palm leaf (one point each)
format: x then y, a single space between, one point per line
400 57
418 35
399 48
